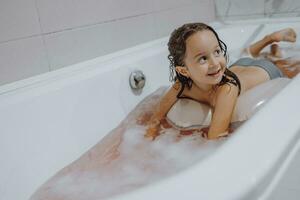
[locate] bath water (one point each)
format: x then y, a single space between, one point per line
124 160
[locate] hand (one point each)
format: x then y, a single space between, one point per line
205 130
165 124
144 118
153 129
152 132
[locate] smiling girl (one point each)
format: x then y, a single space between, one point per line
198 66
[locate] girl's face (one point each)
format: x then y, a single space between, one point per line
204 61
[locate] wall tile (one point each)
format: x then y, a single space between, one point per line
21 59
167 21
18 19
77 30
227 8
282 6
171 4
69 47
57 15
243 9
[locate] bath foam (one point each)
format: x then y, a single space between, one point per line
124 160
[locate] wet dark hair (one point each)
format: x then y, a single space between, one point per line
177 49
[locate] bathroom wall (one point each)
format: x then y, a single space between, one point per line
38 36
245 9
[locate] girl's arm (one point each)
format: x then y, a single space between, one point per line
226 98
161 110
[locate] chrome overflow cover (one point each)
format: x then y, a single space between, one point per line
137 80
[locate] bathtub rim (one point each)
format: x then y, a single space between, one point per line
82 67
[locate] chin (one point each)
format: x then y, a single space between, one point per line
217 80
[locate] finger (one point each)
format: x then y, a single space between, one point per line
204 135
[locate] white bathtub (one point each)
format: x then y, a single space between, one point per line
49 120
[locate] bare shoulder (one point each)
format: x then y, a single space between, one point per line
226 93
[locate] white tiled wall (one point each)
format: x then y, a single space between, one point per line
57 15
41 35
166 20
18 19
22 58
79 44
244 9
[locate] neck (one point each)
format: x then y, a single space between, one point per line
205 88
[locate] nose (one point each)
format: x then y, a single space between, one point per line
214 61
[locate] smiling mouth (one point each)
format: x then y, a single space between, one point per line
215 73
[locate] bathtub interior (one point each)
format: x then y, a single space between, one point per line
286 182
50 120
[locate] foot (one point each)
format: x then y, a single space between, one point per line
290 68
287 35
275 51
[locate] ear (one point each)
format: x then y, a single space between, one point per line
183 71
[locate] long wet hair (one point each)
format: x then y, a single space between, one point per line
177 49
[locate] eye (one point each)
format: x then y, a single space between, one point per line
218 52
202 59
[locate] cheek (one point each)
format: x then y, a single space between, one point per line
223 62
198 72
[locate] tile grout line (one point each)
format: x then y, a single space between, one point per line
43 38
89 25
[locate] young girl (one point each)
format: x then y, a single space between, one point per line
198 68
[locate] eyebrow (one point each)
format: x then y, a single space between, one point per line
200 53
